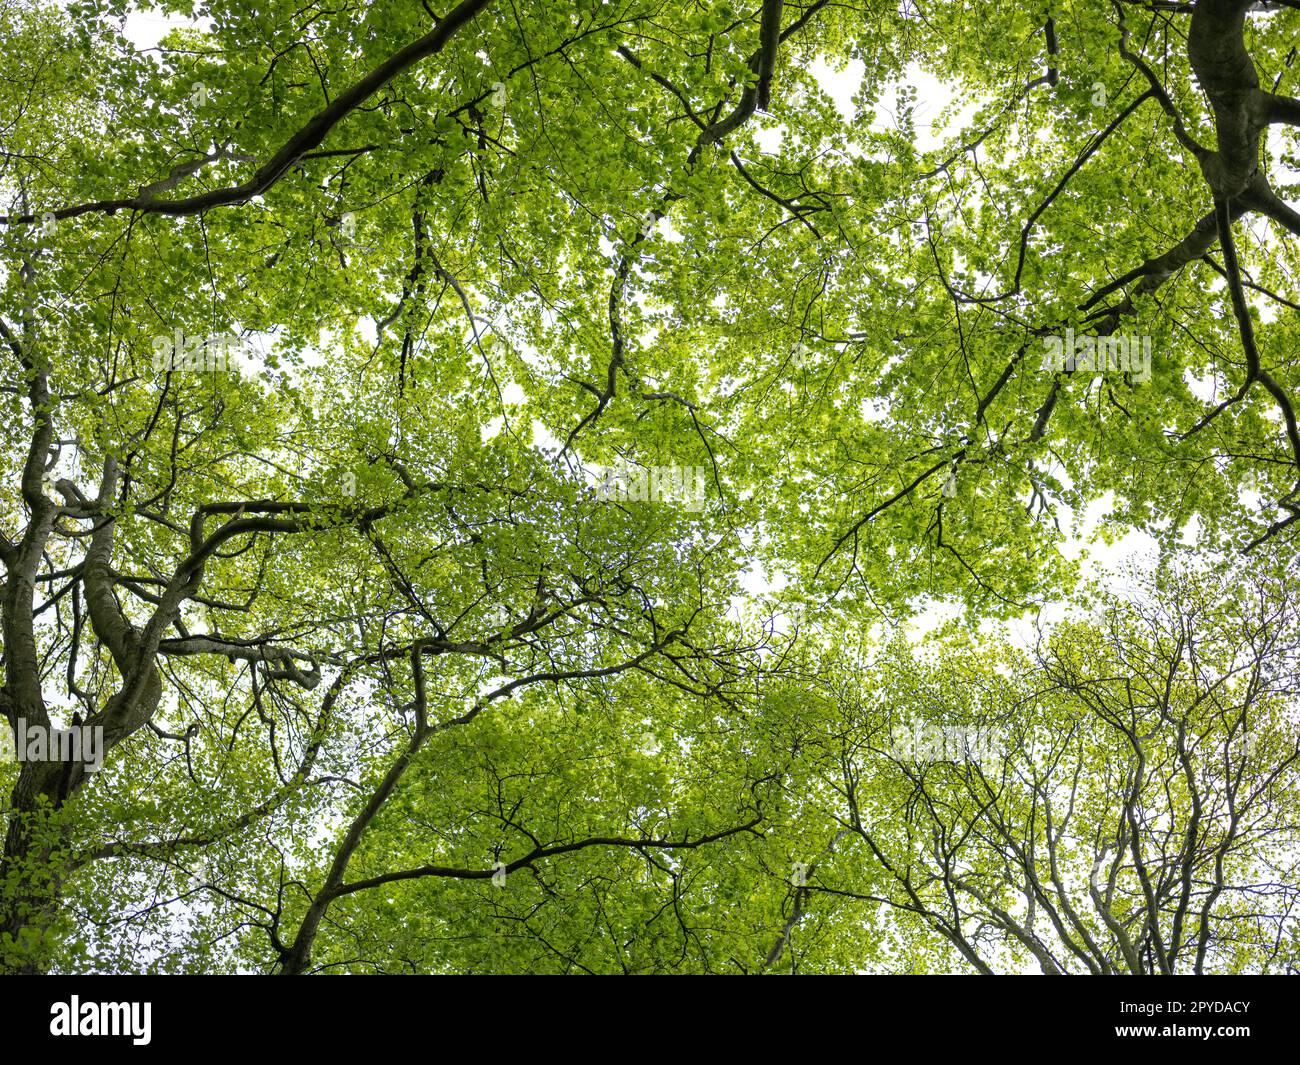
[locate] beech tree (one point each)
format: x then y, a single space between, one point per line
1121 800
450 447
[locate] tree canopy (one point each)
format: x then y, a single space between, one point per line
479 468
